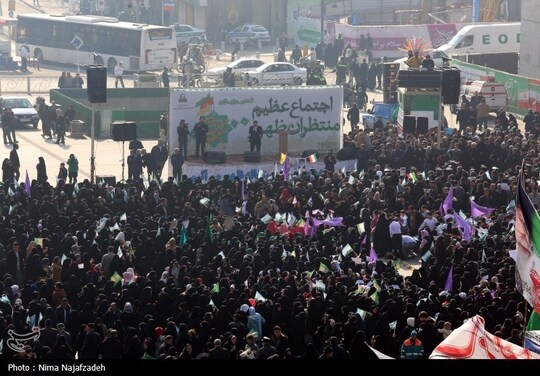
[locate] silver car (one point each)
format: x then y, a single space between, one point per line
277 74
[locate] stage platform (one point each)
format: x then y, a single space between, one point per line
236 167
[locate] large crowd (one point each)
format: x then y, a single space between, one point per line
312 266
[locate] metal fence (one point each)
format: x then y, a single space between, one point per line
42 84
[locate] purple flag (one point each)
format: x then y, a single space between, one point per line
333 222
372 255
479 211
306 227
449 280
286 168
447 203
27 184
242 190
467 228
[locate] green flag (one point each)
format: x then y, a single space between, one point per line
183 236
116 278
375 297
323 268
259 297
215 289
209 233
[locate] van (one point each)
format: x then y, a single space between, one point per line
487 38
493 92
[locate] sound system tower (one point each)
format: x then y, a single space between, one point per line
419 79
451 85
215 157
409 124
96 83
390 72
124 130
422 125
252 156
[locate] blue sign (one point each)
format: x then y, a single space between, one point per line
77 42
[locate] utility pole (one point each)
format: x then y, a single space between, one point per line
322 21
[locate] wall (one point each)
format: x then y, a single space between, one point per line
523 92
143 106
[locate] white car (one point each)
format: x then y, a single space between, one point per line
188 34
277 74
23 110
238 66
249 34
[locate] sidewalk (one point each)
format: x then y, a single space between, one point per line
45 6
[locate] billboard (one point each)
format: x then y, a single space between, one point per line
311 115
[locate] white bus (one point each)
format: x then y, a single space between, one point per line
105 40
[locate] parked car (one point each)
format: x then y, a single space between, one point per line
249 34
238 66
188 34
24 111
277 74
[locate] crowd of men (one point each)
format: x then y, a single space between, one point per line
309 266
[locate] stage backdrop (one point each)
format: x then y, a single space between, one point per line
310 114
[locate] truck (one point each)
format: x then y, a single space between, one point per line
481 39
419 103
386 112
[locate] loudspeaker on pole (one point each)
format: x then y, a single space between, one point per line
96 83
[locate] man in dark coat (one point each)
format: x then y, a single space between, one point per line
15 162
160 154
218 352
92 344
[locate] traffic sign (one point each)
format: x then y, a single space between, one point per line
11 14
101 5
77 42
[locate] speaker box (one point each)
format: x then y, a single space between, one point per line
108 179
215 157
409 124
422 125
96 83
307 153
124 130
451 85
346 154
419 79
252 156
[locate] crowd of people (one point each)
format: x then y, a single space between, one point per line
308 266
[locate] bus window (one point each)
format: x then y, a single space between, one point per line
160 34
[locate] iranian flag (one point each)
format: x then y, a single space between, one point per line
312 158
528 245
528 259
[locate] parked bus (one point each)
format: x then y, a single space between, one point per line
105 40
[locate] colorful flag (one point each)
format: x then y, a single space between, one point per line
527 229
375 297
319 285
323 268
286 168
449 279
426 256
372 255
183 236
347 250
312 158
479 211
447 203
27 185
116 278
209 233
412 175
259 297
283 158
